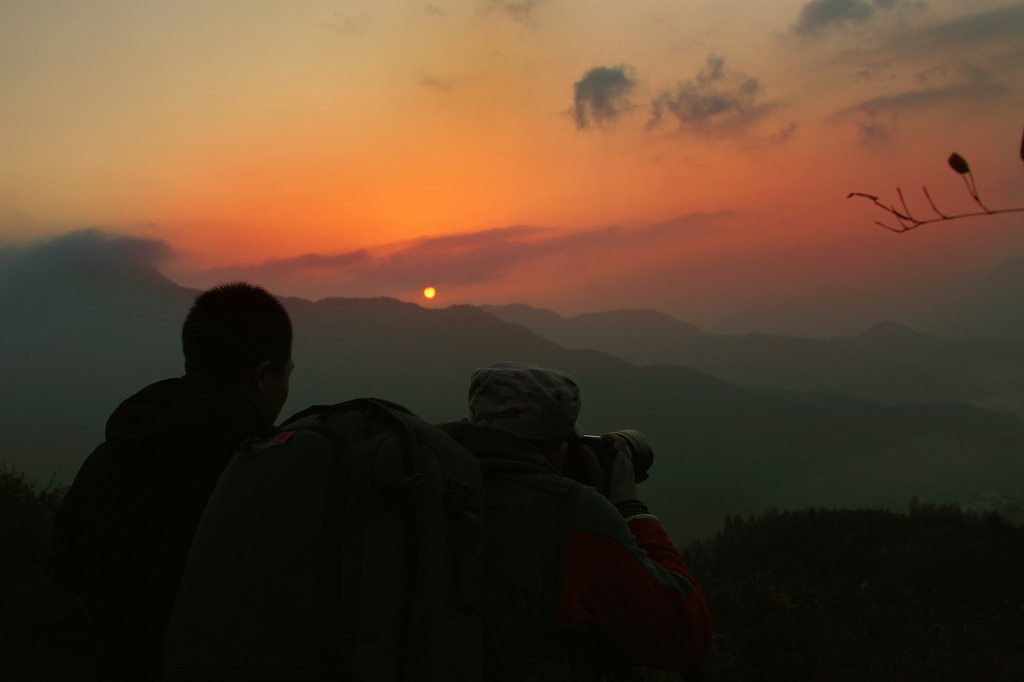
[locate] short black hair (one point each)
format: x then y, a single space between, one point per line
233 327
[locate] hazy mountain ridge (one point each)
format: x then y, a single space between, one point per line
889 362
83 346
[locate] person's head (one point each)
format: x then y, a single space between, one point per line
536 403
242 335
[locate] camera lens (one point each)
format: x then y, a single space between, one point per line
640 452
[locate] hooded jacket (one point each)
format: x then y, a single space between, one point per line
124 529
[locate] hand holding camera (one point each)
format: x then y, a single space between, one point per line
621 476
613 463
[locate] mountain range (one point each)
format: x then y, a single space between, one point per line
889 362
81 336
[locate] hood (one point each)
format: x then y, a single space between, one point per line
499 449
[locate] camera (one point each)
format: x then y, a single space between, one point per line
637 449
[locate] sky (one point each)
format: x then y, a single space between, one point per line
693 157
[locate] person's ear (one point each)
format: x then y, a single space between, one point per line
254 379
262 370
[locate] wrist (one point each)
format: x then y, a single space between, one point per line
631 507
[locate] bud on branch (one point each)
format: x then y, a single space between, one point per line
907 221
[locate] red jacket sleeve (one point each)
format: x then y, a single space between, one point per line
633 584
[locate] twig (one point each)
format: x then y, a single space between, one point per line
905 218
930 201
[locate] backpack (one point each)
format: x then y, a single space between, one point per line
344 545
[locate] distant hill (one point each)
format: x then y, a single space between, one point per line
889 362
643 336
79 343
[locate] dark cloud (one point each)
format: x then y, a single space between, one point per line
521 11
89 249
602 95
715 96
820 15
434 11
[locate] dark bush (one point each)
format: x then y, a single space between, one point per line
42 627
836 595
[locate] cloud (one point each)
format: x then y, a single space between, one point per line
472 240
716 96
981 29
88 249
920 99
350 20
820 15
876 70
784 134
875 129
938 49
306 265
434 11
971 58
345 25
875 118
602 95
461 260
435 84
930 73
521 11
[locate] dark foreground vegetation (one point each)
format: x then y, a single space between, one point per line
43 633
836 594
820 594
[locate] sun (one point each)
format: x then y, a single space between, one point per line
429 292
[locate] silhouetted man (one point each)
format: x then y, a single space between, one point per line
575 584
123 533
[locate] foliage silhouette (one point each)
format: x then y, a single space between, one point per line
43 632
825 594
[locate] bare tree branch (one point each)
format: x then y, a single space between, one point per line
905 218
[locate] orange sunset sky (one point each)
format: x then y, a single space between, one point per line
690 156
